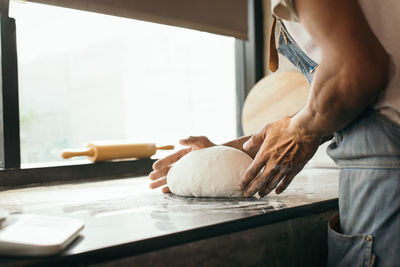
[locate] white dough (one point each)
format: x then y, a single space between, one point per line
209 172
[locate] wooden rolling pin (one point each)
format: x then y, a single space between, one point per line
102 151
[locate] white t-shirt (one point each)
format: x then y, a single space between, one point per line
383 17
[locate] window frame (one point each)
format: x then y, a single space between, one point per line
249 63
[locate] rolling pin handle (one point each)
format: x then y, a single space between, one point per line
66 154
170 147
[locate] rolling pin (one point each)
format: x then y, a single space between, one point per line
102 151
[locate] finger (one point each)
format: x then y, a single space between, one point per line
154 175
283 171
158 183
192 140
261 181
196 141
166 190
254 141
285 182
168 160
252 171
272 183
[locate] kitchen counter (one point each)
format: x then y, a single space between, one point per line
124 217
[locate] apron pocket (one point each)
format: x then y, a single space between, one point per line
348 250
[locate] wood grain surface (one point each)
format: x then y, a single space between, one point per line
273 97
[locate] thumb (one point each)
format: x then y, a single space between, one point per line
197 142
254 142
189 141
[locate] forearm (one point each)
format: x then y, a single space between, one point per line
354 66
337 98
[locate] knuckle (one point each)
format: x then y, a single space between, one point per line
251 139
258 162
157 167
257 186
288 171
244 182
266 190
263 182
276 167
155 164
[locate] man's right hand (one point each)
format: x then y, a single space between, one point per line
162 166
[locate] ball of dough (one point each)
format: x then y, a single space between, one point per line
209 172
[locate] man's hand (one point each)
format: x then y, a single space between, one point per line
285 148
162 166
352 73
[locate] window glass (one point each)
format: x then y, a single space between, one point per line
86 76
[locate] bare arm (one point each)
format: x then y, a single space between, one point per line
353 69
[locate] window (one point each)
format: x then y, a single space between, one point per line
86 76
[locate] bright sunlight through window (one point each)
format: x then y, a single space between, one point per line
86 77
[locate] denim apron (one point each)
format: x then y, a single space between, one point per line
368 154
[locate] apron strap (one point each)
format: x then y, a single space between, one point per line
273 63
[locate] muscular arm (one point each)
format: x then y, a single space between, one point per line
352 72
353 68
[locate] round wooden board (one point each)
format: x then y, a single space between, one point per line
273 97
